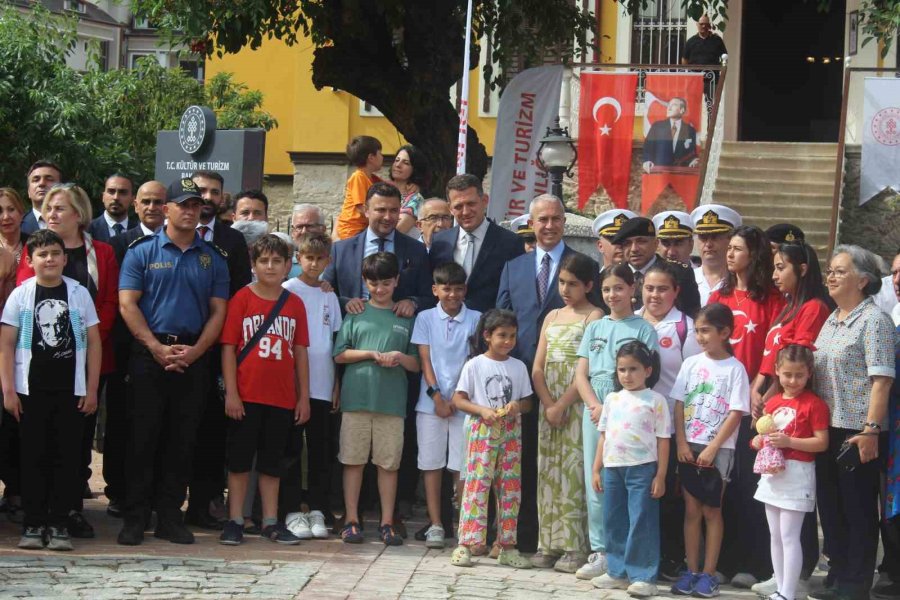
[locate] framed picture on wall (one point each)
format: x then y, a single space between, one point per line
853 37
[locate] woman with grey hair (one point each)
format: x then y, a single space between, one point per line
854 372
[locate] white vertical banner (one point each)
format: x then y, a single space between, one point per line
880 167
464 99
528 106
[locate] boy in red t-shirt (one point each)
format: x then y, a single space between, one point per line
268 392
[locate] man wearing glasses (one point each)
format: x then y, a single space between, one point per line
434 216
306 218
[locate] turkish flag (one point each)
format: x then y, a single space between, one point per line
605 131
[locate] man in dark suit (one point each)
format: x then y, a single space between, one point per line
41 176
638 239
208 479
118 195
413 292
480 247
529 286
151 197
671 142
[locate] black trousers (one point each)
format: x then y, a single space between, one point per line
116 435
527 527
165 411
890 540
51 432
321 454
10 456
848 507
408 474
87 447
209 474
671 513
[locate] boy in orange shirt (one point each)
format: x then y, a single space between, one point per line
365 153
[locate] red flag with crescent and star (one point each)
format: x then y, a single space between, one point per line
605 131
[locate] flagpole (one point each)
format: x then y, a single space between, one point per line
464 98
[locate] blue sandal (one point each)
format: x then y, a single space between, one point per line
352 533
389 536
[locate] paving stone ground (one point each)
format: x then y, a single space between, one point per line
99 569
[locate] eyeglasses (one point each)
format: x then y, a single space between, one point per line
436 218
304 227
836 273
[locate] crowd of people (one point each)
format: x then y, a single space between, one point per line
633 417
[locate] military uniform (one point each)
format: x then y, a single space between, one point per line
176 290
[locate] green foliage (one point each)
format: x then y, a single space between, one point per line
880 20
96 122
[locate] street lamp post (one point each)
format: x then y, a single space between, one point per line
557 155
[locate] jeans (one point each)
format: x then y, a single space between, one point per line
590 437
631 519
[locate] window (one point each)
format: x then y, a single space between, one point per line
103 55
74 5
141 23
658 33
194 68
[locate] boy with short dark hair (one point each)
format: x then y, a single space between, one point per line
50 356
442 335
323 314
375 345
364 153
266 385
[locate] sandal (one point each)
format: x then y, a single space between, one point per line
461 557
510 557
352 533
389 536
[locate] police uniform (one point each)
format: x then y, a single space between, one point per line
706 219
675 225
176 289
688 299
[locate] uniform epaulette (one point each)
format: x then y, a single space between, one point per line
678 263
140 240
220 251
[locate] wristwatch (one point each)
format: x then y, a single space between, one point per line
872 425
431 391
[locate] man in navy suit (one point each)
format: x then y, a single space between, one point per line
529 286
382 209
671 142
480 247
118 195
42 175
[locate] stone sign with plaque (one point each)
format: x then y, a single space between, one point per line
236 154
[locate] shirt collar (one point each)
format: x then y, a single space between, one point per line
37 215
459 318
555 252
854 314
147 230
166 240
371 236
673 316
643 269
211 224
110 221
479 232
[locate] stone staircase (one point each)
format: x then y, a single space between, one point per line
770 182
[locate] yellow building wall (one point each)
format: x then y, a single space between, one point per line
310 120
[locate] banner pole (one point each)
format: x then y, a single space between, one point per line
710 130
839 164
464 99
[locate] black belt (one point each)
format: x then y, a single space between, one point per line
170 339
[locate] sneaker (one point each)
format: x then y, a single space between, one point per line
132 533
743 580
642 589
298 524
775 596
32 539
172 529
232 534
608 582
706 586
766 588
280 534
510 557
58 539
544 560
685 584
434 537
79 527
884 589
593 568
569 562
671 570
317 525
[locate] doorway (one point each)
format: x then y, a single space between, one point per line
791 71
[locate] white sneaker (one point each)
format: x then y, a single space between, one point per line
765 588
298 524
743 580
317 524
434 537
642 589
607 582
594 567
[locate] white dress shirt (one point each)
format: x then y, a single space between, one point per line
555 257
462 243
110 222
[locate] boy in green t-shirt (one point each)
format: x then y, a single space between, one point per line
376 349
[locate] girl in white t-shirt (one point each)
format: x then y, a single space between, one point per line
633 456
492 389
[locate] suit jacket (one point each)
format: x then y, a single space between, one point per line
688 299
99 230
499 246
233 243
518 293
343 273
29 223
658 145
120 243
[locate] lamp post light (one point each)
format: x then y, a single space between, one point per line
557 155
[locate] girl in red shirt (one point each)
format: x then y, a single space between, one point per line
802 420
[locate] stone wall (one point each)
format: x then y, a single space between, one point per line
876 224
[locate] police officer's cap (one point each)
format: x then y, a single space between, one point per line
183 189
715 218
520 225
673 225
638 226
785 233
608 223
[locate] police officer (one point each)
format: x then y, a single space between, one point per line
638 240
676 236
605 227
173 292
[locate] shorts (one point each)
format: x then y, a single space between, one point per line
441 441
365 434
706 483
263 432
792 489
